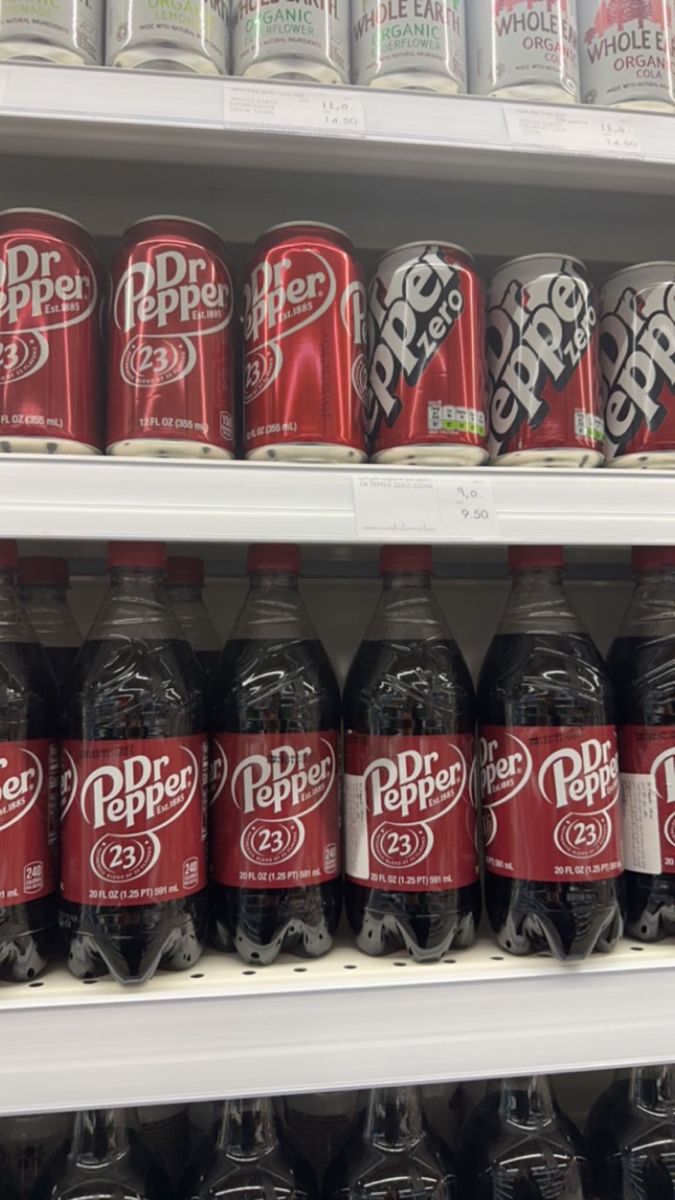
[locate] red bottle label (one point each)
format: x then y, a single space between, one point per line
275 815
29 781
410 819
647 758
133 828
551 802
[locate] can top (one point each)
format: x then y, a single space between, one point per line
415 560
454 246
530 558
645 266
302 225
150 555
8 554
184 569
213 238
524 258
170 217
275 235
274 556
44 212
652 558
44 569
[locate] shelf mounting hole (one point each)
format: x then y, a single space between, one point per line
449 960
350 966
197 975
299 969
38 983
497 957
90 980
399 963
249 972
638 948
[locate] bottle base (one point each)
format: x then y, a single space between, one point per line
572 457
416 81
98 945
663 460
433 456
262 925
424 926
541 93
307 452
569 932
164 58
42 445
26 955
34 50
294 69
164 448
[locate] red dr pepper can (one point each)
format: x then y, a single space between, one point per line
304 347
50 297
170 357
426 375
542 350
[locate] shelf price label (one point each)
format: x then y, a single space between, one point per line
424 507
289 109
470 510
572 131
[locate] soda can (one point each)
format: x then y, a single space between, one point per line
426 373
170 359
627 53
637 363
68 32
418 44
305 370
524 50
50 354
296 41
542 352
186 37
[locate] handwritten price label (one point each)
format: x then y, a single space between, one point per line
470 512
294 110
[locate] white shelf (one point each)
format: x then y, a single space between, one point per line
101 113
102 498
345 1021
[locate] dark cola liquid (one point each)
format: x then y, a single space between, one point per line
28 709
121 690
643 675
264 686
62 660
208 661
548 679
410 688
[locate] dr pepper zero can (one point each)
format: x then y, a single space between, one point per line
304 347
626 53
50 297
418 44
426 376
170 357
542 352
524 50
293 41
637 362
69 32
176 37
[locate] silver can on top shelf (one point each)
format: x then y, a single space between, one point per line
69 32
524 50
626 52
301 42
416 44
187 36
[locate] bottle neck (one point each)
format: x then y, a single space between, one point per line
14 625
136 607
538 603
407 610
273 610
527 1102
184 593
394 1118
100 1136
49 614
247 1128
651 612
652 1089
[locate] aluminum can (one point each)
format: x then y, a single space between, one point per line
542 339
626 53
170 359
426 373
60 31
637 362
190 36
418 44
524 50
305 370
50 354
291 40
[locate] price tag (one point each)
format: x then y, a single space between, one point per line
294 110
396 504
572 131
469 510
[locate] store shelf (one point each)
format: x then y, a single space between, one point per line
342 1022
100 498
170 118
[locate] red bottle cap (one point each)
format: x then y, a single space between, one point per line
652 558
183 569
274 557
528 558
8 554
47 570
416 560
137 554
